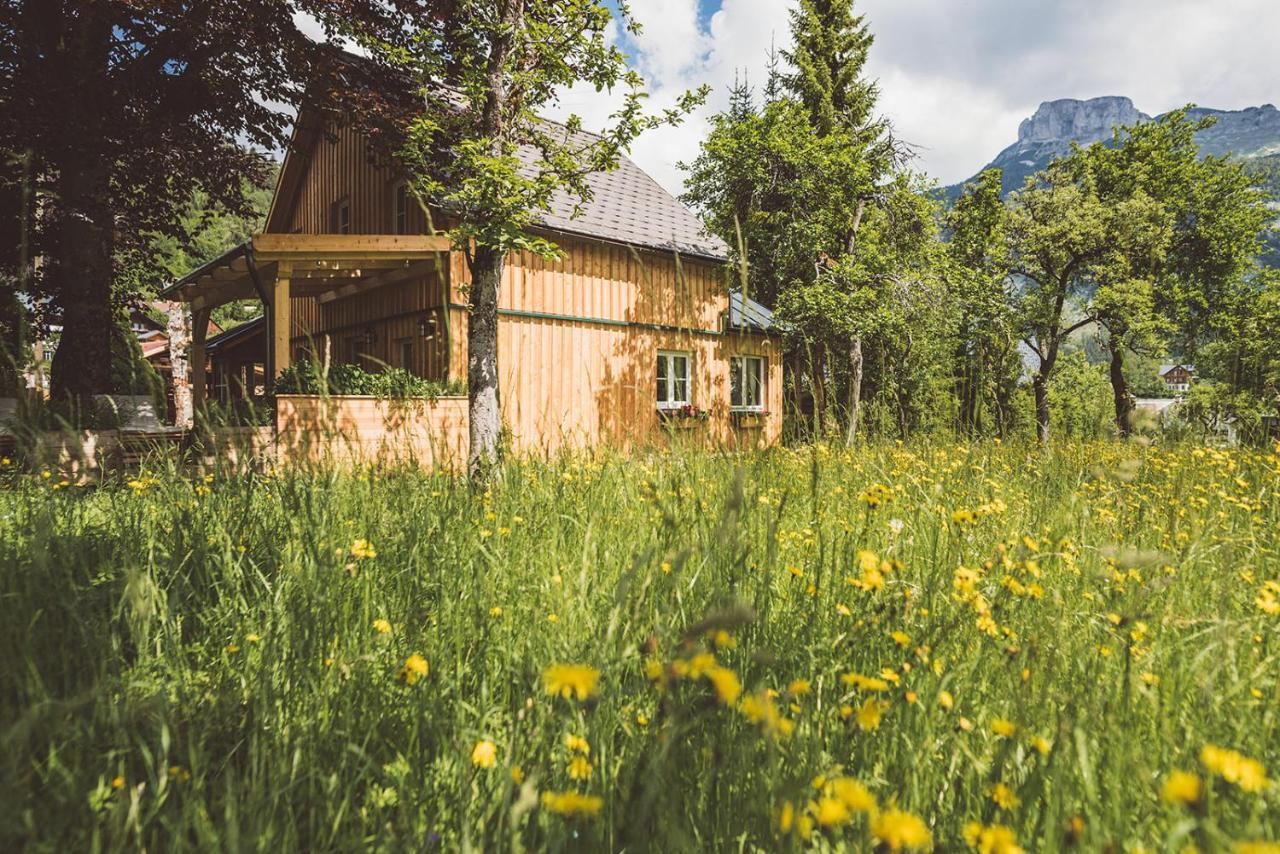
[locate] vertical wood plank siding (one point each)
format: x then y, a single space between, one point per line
586 374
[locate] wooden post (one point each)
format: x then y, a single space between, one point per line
280 323
199 331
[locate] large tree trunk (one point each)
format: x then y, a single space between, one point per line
1120 392
855 389
482 362
1040 385
82 267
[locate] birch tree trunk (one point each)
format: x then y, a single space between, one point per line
482 362
179 338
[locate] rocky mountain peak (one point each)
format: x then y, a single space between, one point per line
1082 121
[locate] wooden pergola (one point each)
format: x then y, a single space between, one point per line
276 267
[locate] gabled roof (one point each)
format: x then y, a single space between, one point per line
1164 369
627 205
746 313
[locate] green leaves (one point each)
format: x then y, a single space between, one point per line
480 149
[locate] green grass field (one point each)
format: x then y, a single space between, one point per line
926 647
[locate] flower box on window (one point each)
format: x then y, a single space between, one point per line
682 417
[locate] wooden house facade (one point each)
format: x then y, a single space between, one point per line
632 333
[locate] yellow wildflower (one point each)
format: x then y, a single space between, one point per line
830 812
415 667
726 683
382 627
1004 797
362 548
1234 767
484 754
898 830
1004 728
571 680
1181 787
580 768
992 839
869 713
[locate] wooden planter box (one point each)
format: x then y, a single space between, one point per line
360 430
750 420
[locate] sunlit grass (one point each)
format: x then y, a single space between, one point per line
688 651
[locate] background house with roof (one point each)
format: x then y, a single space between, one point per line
1177 378
634 329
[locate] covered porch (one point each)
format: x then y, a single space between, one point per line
321 270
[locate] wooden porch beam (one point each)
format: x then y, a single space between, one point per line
390 277
304 247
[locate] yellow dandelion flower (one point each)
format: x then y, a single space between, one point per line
869 714
576 743
786 817
362 548
580 768
484 754
830 812
992 839
1004 797
898 830
415 667
117 782
1236 768
571 681
382 627
852 794
946 701
1004 728
1181 787
799 687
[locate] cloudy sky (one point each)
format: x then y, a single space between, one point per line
957 76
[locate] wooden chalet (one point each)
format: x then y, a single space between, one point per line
633 334
1177 378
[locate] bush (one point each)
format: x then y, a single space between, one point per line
307 377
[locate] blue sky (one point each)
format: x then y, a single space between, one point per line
957 76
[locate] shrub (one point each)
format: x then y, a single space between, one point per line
307 377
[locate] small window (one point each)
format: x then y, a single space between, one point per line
673 380
406 355
746 383
400 208
342 216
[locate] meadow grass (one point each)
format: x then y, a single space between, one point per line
933 646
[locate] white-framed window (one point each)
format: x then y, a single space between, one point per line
342 216
400 208
746 383
673 379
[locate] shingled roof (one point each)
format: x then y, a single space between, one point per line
630 207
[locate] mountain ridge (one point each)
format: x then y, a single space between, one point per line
1253 132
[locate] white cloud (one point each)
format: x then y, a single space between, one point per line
957 76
